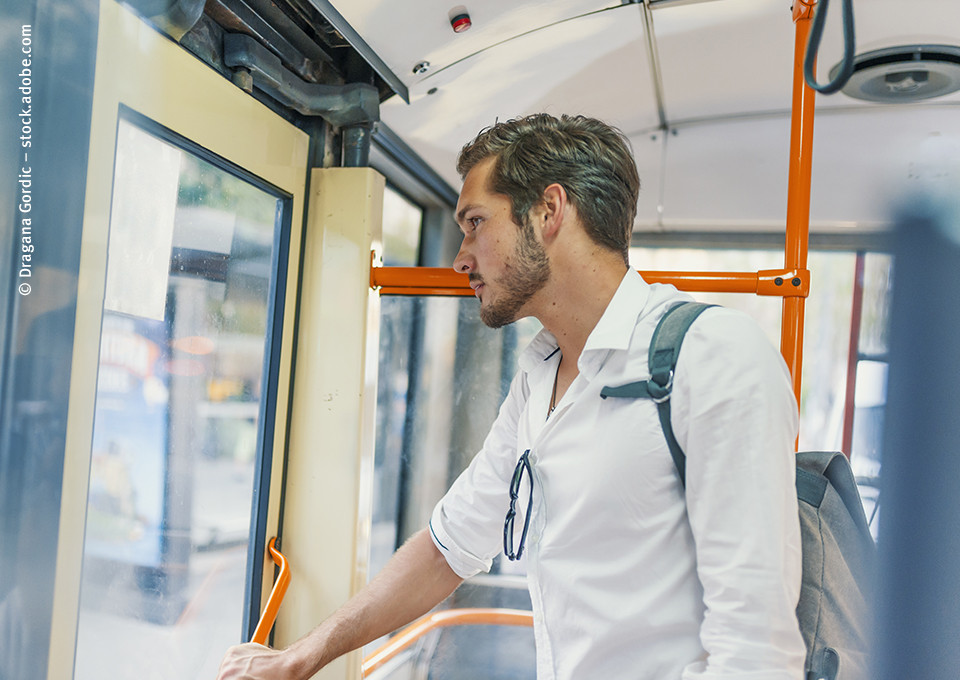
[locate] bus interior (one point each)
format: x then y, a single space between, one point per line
232 322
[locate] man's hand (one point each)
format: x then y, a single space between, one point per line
252 661
414 581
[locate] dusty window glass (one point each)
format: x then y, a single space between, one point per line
180 390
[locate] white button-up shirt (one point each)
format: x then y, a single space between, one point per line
630 576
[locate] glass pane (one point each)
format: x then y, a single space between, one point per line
397 320
826 344
870 397
399 317
176 431
401 230
877 289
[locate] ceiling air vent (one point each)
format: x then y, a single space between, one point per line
904 74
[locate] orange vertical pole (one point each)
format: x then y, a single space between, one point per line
798 198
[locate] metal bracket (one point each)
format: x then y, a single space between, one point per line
354 104
784 282
803 9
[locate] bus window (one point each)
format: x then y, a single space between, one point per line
766 310
182 385
826 327
402 221
449 374
870 395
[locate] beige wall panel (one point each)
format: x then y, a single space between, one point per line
327 510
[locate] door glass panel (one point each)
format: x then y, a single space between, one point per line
182 379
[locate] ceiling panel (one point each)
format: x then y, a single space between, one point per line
865 161
729 174
648 149
725 58
564 68
732 174
404 34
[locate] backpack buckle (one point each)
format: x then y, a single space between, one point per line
660 393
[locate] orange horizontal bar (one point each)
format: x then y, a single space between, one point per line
436 278
445 281
459 291
442 619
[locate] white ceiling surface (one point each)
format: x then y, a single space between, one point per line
406 32
503 83
726 71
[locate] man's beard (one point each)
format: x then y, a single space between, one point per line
524 274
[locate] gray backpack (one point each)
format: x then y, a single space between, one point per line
838 551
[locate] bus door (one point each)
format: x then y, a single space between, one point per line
181 363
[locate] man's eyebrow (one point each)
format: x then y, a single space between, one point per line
459 215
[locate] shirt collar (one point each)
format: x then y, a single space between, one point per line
612 332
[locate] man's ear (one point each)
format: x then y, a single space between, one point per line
554 208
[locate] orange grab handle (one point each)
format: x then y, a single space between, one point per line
441 619
276 595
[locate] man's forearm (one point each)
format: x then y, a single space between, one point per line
411 584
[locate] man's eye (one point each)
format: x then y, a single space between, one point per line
475 221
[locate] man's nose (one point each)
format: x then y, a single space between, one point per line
463 262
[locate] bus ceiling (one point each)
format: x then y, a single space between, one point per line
696 86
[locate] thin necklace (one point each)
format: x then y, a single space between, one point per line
553 395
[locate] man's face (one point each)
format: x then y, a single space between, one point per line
506 263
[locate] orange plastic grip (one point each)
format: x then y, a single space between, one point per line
276 595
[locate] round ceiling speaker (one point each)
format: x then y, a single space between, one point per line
903 74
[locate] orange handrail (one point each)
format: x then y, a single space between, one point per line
798 197
445 281
269 615
441 619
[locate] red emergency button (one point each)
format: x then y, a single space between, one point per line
460 22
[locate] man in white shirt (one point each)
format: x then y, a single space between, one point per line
630 575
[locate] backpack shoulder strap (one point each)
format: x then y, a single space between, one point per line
662 360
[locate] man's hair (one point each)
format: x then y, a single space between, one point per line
591 160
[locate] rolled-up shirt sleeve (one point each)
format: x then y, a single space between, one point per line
739 442
467 523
